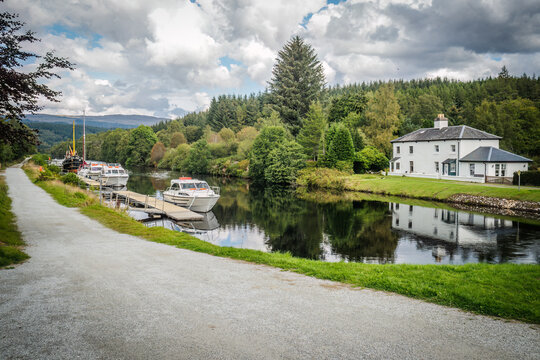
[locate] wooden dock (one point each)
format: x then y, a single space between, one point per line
153 205
88 181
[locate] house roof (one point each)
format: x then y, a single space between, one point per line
447 133
449 161
491 154
395 159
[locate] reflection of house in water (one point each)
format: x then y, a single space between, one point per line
444 230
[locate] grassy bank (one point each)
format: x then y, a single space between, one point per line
508 291
434 189
11 241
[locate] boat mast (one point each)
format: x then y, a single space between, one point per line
73 150
84 136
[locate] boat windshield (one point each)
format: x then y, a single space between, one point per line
120 171
96 169
202 186
115 171
188 186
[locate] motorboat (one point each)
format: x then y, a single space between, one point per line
113 175
92 170
193 194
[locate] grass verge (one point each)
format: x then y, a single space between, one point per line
432 189
507 290
11 241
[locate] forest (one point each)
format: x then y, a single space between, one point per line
299 121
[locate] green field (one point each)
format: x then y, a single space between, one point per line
507 290
432 189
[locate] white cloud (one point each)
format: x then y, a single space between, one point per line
139 56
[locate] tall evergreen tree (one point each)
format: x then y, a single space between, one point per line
310 135
297 81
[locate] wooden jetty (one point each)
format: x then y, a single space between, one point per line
88 181
155 206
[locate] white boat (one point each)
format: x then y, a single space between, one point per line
92 170
113 175
191 193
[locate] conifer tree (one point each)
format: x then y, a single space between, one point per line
312 130
297 81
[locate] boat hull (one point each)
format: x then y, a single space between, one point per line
72 164
199 203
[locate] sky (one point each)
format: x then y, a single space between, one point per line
164 57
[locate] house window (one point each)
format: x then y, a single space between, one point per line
497 167
453 167
453 147
436 148
437 167
471 169
503 169
397 222
397 166
410 224
410 149
397 206
411 165
397 149
391 166
411 208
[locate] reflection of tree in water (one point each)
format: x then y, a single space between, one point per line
290 224
361 230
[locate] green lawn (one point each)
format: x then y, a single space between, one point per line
507 290
11 241
410 187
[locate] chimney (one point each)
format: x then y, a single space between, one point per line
440 122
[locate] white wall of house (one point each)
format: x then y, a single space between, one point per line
426 154
447 225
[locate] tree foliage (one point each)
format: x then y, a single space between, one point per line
157 153
311 134
199 157
283 163
297 81
21 90
340 147
269 138
141 141
382 116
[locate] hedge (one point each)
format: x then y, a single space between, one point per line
528 178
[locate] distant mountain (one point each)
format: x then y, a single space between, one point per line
104 121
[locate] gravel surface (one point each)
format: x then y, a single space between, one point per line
91 293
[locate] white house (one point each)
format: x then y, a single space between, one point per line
454 153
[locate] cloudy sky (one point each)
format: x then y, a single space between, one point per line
158 57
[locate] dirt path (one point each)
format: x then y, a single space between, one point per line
89 292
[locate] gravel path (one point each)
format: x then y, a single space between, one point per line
91 293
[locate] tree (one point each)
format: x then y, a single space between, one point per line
177 138
20 91
313 126
297 81
382 116
199 158
157 153
141 141
343 105
284 161
269 138
227 135
341 147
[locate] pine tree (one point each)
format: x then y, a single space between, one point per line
297 81
312 130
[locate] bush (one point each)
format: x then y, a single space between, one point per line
46 175
71 179
54 169
321 178
528 178
40 159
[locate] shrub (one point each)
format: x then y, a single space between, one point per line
284 161
46 175
54 169
40 159
70 178
528 178
320 178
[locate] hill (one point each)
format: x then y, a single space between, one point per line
105 121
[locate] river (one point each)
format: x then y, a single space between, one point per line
349 227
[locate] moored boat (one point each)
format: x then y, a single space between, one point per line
113 175
72 162
193 194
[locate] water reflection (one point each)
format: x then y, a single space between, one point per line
340 229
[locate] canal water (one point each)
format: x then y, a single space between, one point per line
348 227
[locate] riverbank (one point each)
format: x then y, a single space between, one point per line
492 196
506 290
11 242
